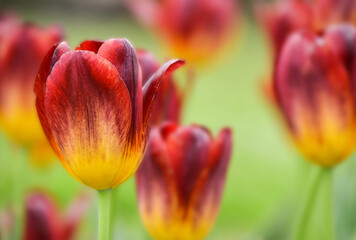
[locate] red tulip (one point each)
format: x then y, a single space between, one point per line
181 180
94 110
169 97
335 11
283 18
314 85
22 48
45 221
193 29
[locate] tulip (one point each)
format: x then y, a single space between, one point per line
314 87
45 221
335 11
195 30
22 47
313 84
96 114
282 19
181 180
169 98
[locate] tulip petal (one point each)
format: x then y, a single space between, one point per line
42 218
189 150
88 108
90 45
342 39
208 192
148 63
151 87
168 99
44 71
122 55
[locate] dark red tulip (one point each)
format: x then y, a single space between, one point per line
94 110
169 98
314 85
283 18
44 220
22 48
181 180
194 30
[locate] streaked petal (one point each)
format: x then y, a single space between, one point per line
44 71
88 108
122 55
151 87
208 192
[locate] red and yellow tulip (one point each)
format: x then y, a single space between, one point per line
195 30
94 110
22 48
169 98
44 220
314 88
181 180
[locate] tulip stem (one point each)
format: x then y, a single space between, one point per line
19 186
307 203
104 214
329 214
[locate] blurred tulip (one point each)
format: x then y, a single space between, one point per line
94 111
169 98
45 221
335 11
282 19
22 47
313 83
195 30
181 180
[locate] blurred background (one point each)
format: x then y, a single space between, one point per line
266 176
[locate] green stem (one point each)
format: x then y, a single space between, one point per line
113 212
19 187
329 216
307 204
104 214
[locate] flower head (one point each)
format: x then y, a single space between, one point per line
193 29
45 221
181 180
282 19
22 48
94 110
314 86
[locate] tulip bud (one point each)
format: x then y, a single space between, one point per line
314 89
94 110
45 221
195 30
282 19
181 180
22 48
